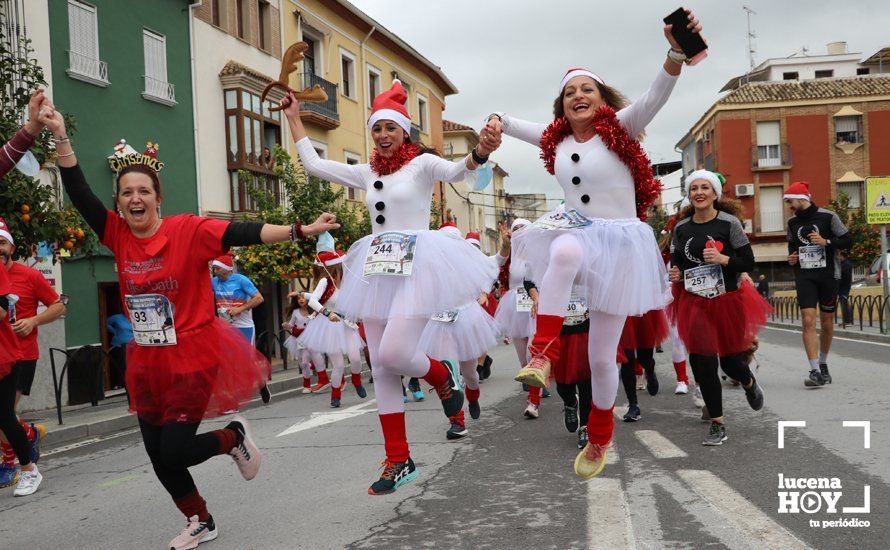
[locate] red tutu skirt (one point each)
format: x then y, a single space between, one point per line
209 372
644 332
491 306
573 365
720 326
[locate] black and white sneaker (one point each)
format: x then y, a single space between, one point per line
582 437
571 418
823 370
395 474
475 409
335 403
633 413
265 394
754 395
716 435
486 367
814 379
651 382
450 392
245 454
456 431
194 534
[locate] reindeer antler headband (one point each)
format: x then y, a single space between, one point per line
289 61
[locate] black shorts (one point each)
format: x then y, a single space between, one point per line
821 291
26 375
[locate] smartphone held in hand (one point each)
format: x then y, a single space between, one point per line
692 44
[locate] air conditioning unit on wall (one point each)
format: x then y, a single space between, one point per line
744 190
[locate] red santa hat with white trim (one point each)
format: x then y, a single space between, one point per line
473 238
327 259
5 233
450 229
390 105
798 190
226 261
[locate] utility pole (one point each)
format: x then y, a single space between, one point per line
751 35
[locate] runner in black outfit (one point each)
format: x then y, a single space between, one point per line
814 235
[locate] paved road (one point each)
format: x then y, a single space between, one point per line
509 485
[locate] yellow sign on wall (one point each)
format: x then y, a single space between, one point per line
877 200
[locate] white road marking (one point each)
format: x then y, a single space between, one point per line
748 519
612 454
85 442
659 445
608 515
321 419
854 340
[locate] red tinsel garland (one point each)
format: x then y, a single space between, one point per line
615 137
384 166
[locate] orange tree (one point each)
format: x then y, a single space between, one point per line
866 238
305 198
31 208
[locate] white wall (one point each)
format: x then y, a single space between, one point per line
806 69
213 49
671 191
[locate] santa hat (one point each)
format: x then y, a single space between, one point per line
473 238
329 258
577 71
390 105
226 261
450 229
519 222
4 232
712 177
798 190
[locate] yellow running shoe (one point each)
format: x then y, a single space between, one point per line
536 373
591 460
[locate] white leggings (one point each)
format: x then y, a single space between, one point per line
566 258
678 350
304 359
470 374
521 345
392 344
338 368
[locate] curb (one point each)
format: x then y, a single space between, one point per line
852 335
63 435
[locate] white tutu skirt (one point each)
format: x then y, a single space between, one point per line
292 344
447 273
515 324
469 337
622 272
325 336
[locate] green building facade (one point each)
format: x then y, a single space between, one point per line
122 69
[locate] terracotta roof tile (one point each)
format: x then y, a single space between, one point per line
233 67
829 88
448 126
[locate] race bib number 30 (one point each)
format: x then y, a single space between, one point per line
705 280
152 318
524 302
562 219
576 311
391 253
811 256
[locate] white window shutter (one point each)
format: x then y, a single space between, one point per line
768 133
83 30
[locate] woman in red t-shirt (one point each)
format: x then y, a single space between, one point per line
184 363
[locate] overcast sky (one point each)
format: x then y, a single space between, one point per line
510 55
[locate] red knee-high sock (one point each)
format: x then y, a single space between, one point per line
600 424
8 455
473 395
458 418
546 340
680 369
438 373
394 439
336 392
307 382
29 429
193 505
534 395
356 379
323 377
227 440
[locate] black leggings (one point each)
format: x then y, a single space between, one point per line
583 398
9 423
704 369
173 449
646 358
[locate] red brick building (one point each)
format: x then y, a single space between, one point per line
831 132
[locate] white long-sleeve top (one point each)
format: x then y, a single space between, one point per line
518 271
595 181
298 320
314 297
397 202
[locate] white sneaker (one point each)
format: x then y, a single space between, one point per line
641 382
531 411
194 534
29 481
682 388
307 390
697 400
246 454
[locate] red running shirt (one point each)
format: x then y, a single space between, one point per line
9 342
31 287
173 262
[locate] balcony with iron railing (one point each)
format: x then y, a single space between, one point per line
770 157
87 69
159 90
324 114
243 187
771 222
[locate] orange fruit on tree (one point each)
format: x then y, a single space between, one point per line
25 209
68 244
26 218
79 233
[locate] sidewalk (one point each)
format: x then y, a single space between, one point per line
868 334
80 422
